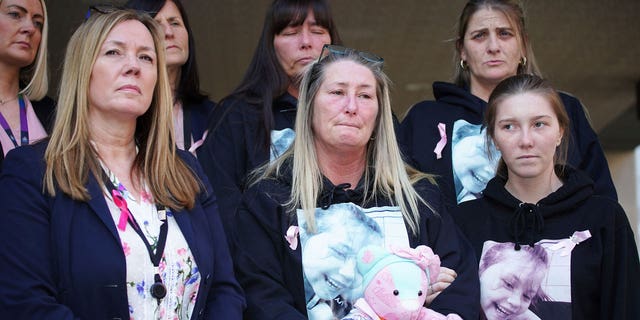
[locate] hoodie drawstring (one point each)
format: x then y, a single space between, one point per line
526 222
326 199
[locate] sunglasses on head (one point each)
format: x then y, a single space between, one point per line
332 49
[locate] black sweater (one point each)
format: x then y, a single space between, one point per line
234 147
604 269
419 135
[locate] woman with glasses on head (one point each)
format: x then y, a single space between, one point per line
26 112
107 219
344 125
191 107
255 122
491 45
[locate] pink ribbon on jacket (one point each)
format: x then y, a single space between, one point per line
442 128
119 201
567 245
198 143
424 257
292 237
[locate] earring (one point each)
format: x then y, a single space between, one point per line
559 142
523 61
463 64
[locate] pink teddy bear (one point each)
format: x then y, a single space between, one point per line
396 284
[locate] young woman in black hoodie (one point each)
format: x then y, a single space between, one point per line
589 268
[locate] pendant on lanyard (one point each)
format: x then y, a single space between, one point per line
158 290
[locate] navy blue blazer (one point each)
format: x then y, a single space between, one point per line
62 259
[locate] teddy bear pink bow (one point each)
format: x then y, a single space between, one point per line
423 256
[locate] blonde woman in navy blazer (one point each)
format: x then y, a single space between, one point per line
106 219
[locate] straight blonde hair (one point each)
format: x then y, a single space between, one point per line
35 76
392 178
70 156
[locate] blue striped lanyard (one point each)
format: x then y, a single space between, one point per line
24 127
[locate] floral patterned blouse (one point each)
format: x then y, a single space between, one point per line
177 267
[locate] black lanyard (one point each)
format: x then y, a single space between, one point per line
24 126
158 290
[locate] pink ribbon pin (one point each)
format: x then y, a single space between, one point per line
292 237
198 143
567 245
119 201
443 140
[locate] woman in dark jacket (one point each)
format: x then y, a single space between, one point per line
107 219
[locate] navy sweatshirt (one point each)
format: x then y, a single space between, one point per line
271 272
234 147
419 135
604 272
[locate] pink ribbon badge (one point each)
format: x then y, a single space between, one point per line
292 237
567 245
198 143
443 140
119 201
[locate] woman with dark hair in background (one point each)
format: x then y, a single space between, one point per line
26 113
491 45
263 106
191 107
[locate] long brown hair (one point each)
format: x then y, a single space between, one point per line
70 156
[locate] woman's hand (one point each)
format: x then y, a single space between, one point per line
445 278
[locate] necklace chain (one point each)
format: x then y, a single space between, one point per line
3 102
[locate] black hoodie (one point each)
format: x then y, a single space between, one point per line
604 269
271 272
419 136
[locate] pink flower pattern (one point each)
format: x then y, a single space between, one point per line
177 267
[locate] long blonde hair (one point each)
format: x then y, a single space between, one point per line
392 178
70 156
35 76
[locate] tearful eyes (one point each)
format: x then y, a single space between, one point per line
366 96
